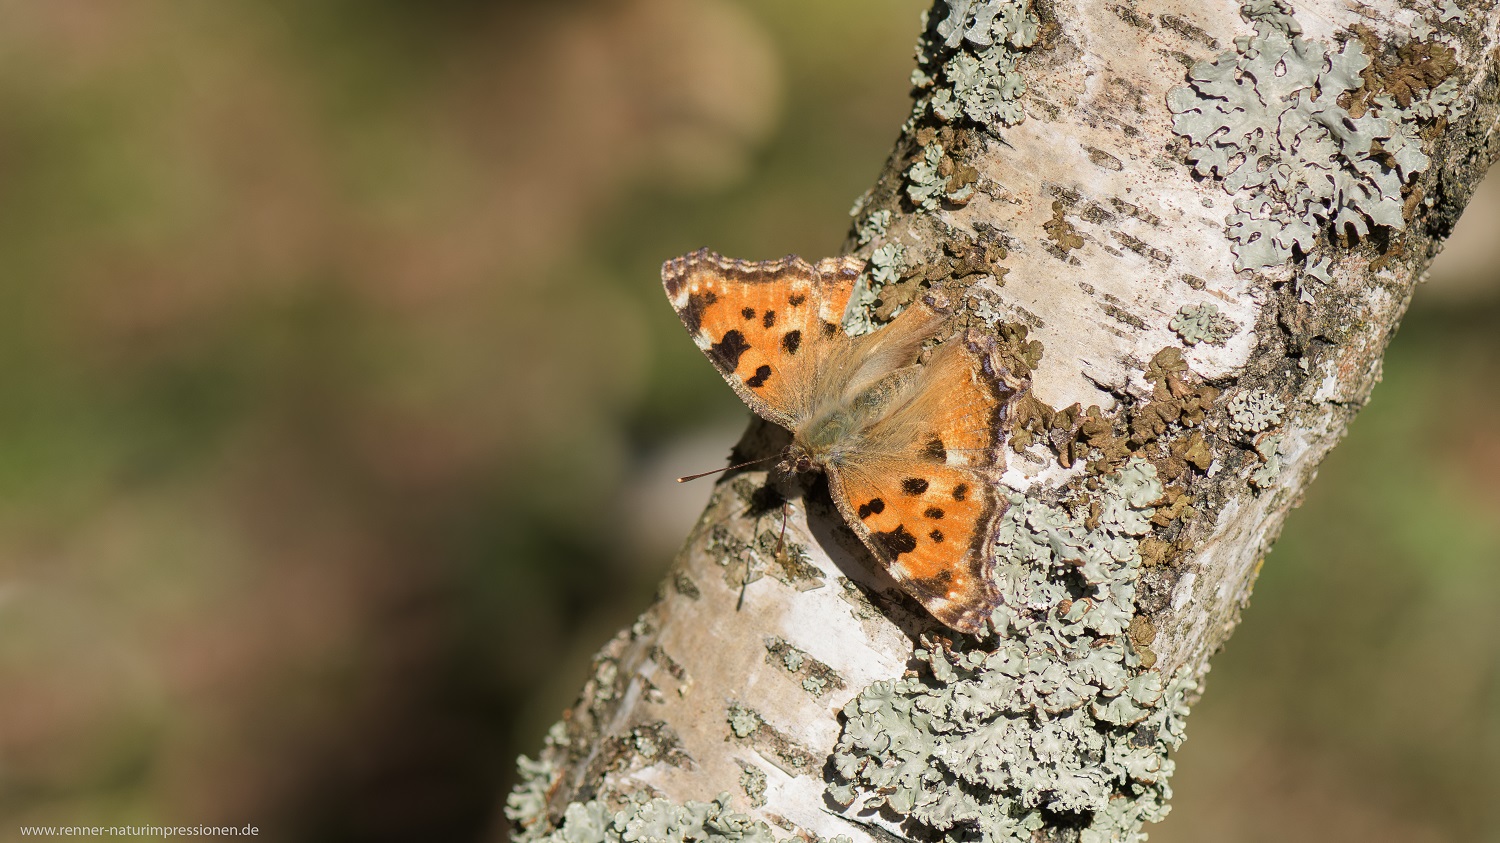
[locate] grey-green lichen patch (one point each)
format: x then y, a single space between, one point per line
1313 278
1058 718
644 746
815 676
1266 119
966 62
526 804
1269 448
1047 558
753 783
1204 323
747 726
647 820
928 186
886 265
873 226
1253 411
746 562
742 721
859 602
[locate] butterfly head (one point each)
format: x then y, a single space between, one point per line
798 460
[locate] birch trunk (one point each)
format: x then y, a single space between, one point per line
1197 226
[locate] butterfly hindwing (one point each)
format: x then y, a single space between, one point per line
764 324
927 506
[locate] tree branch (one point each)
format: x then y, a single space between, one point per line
1192 231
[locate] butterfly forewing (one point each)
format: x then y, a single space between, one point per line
766 325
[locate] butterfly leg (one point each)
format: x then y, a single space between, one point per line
781 540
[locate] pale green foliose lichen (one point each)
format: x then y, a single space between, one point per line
792 660
1315 277
753 783
885 266
1269 448
966 69
1252 411
1264 118
1058 717
1197 323
925 186
985 307
742 721
872 226
1428 105
647 820
526 804
983 23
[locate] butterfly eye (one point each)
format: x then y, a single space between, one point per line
804 465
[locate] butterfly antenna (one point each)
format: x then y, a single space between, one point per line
725 468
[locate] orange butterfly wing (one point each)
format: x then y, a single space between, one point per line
764 324
926 505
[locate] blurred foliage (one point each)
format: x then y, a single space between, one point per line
342 401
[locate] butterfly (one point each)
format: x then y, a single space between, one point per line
911 450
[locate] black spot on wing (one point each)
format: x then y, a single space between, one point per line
914 485
936 536
692 312
727 351
933 513
937 583
895 542
758 380
769 319
796 300
830 329
874 507
791 341
935 450
748 313
960 491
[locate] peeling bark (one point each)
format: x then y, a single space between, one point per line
1085 234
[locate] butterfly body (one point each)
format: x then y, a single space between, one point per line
910 448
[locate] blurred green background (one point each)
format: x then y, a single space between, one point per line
341 404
